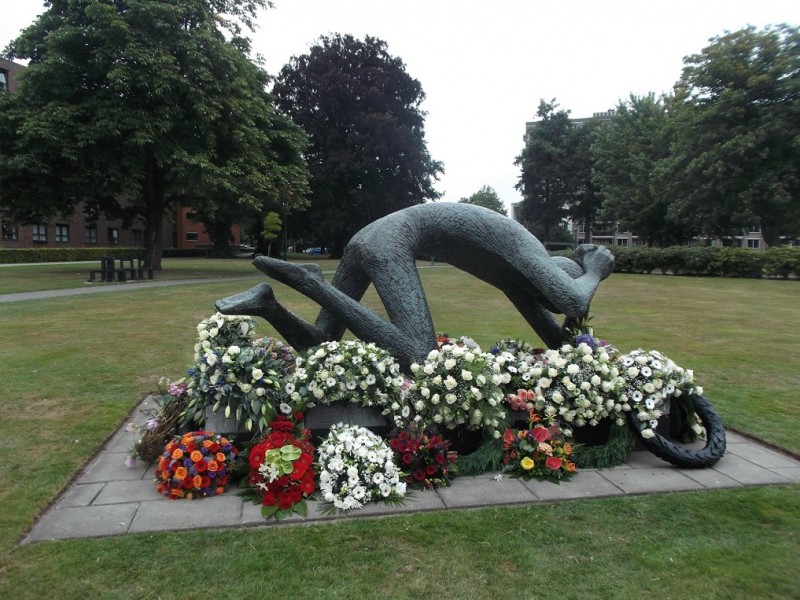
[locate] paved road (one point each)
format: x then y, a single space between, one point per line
119 287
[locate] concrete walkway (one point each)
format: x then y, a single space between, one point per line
108 498
117 287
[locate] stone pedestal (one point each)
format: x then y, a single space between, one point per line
323 416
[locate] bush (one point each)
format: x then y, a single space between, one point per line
706 261
782 261
698 260
738 262
38 255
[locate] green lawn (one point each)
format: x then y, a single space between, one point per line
73 367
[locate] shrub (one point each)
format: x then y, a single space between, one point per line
738 262
782 261
38 255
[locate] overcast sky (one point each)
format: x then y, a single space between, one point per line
485 65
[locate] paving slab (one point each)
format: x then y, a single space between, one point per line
164 514
120 492
80 495
85 521
647 481
763 456
791 474
746 472
710 478
483 490
583 484
110 466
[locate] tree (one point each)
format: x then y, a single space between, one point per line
586 201
487 198
737 120
130 106
368 155
549 183
627 154
272 228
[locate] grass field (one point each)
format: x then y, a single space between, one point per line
73 367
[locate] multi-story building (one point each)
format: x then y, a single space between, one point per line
80 229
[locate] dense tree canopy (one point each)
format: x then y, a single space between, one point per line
584 207
129 106
556 172
487 198
627 151
719 155
368 156
736 151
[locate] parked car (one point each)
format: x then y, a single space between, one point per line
315 250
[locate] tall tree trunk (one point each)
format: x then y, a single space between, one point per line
154 187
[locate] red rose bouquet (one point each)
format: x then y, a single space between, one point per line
195 465
538 451
280 470
424 457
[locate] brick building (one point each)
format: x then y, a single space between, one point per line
79 229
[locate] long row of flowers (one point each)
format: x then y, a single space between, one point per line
525 402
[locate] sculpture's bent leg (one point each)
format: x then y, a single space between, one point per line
400 289
260 301
365 324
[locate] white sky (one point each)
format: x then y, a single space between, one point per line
484 65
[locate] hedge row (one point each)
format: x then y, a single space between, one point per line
38 255
779 261
678 260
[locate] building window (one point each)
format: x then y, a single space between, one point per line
191 216
3 81
90 234
62 233
137 237
622 241
754 244
9 231
40 233
191 236
113 236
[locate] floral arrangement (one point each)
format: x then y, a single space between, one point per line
517 357
347 371
221 331
195 465
650 379
356 466
539 451
281 470
459 385
580 384
243 380
523 400
161 422
424 456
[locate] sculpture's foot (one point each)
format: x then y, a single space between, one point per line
255 301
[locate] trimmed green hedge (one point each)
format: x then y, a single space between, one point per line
779 261
38 255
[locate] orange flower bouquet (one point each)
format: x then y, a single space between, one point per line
195 465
